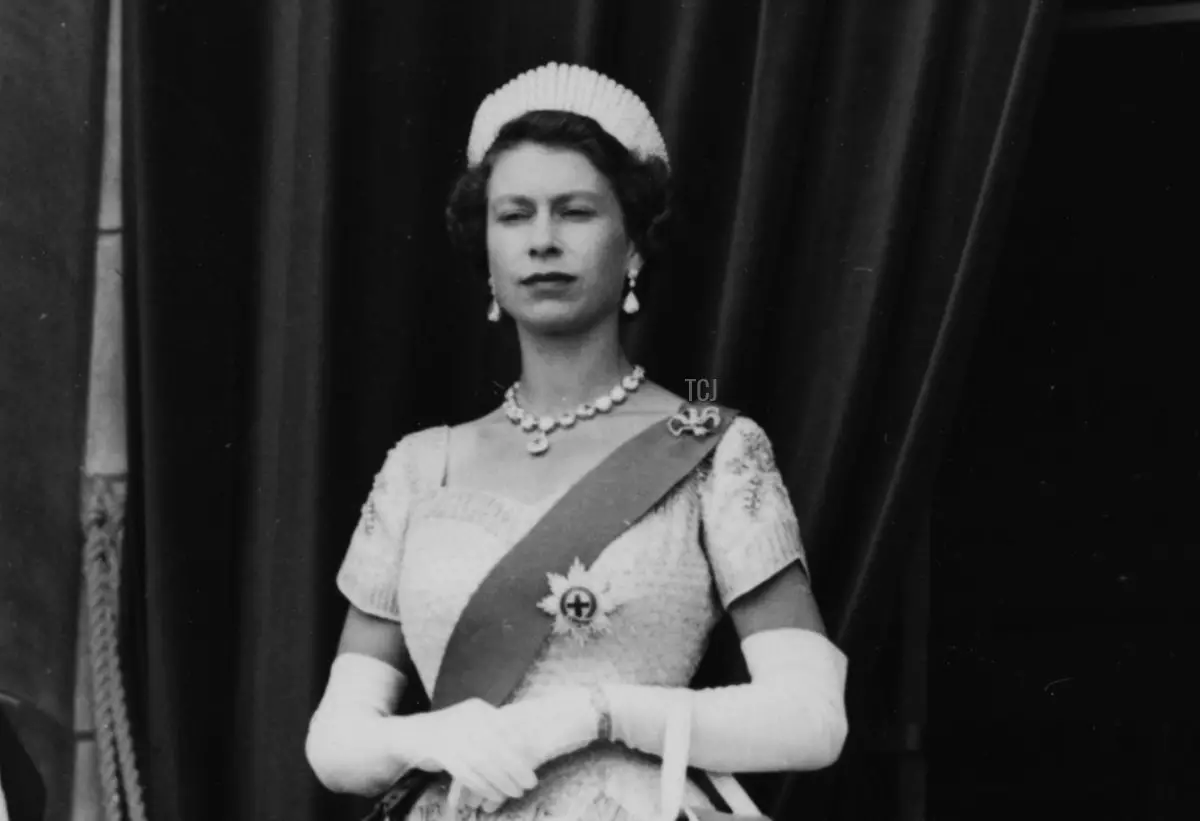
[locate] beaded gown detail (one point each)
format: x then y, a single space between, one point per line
421 549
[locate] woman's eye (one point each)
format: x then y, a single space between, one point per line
579 213
511 216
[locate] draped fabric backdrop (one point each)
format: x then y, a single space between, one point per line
843 172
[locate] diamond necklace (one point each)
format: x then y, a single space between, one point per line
541 426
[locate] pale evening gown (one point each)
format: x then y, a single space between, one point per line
421 548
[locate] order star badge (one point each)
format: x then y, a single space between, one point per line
578 602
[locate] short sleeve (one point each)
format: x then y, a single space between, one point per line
369 573
749 525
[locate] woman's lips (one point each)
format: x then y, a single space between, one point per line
549 278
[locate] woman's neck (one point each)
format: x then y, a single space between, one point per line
559 373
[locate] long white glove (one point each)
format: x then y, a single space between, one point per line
555 723
791 716
356 745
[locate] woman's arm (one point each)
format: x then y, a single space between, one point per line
784 600
350 743
356 745
368 635
790 716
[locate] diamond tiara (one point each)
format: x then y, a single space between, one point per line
577 89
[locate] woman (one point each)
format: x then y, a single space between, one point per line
562 205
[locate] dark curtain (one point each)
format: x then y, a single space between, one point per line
1070 612
52 59
843 172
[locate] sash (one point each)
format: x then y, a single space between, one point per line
501 631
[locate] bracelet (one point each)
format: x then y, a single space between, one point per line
604 711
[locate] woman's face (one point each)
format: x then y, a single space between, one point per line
557 248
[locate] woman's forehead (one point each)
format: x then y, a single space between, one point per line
544 172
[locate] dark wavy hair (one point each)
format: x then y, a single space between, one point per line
642 187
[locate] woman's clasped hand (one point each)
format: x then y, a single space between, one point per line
473 743
524 735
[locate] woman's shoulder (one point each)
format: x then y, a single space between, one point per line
745 441
742 434
418 441
425 438
417 458
746 430
471 427
744 453
744 446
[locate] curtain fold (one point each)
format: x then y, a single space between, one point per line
193 124
843 174
285 472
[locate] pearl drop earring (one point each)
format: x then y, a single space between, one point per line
493 313
632 305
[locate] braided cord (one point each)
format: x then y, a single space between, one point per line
104 530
